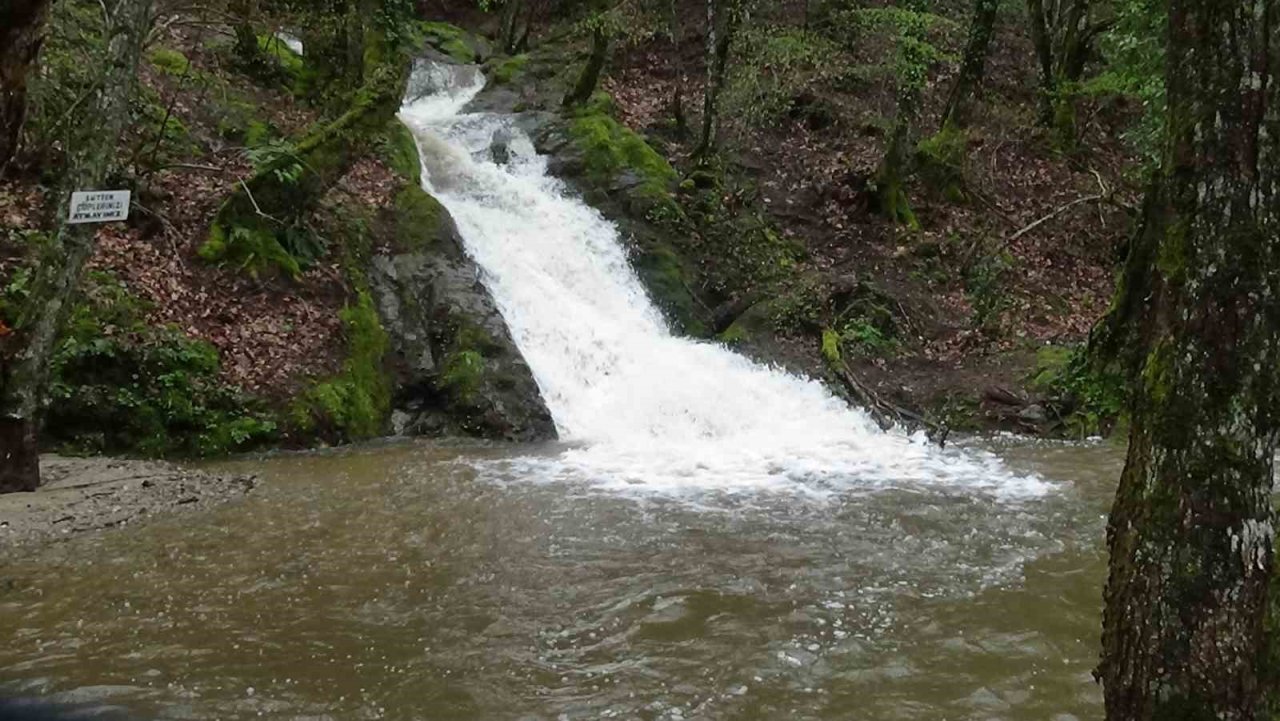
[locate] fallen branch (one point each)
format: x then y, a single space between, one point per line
886 414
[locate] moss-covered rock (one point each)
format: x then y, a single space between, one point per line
454 42
507 69
668 280
420 222
455 367
356 403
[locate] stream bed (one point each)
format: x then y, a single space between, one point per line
423 580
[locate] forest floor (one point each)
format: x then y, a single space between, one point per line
1020 260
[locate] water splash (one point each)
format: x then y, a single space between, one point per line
642 409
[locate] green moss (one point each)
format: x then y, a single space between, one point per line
286 61
735 334
1093 401
448 39
831 346
1052 366
610 149
508 69
400 152
250 245
353 405
940 160
169 60
419 219
121 386
667 279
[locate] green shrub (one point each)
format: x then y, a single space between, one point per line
354 404
785 72
169 60
120 386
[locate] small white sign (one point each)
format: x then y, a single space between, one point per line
99 206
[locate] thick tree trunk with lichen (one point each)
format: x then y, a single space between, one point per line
25 354
22 28
1191 532
974 62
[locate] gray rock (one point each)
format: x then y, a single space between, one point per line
1034 413
455 367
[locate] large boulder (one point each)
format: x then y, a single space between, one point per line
456 369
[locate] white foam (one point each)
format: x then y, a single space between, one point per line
641 408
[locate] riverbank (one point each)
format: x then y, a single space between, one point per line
85 495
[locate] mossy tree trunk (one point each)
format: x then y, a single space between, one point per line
1060 33
247 51
22 30
510 30
1040 40
25 354
1191 533
890 180
973 63
589 78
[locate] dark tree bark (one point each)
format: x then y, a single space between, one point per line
22 30
973 64
1040 39
722 23
25 354
589 78
1191 533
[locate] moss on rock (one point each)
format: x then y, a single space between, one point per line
420 220
667 279
356 403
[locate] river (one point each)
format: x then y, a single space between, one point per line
400 582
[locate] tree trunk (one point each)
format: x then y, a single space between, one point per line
720 27
1191 533
22 29
589 78
1044 58
24 371
511 26
973 63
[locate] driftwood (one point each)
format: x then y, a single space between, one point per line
884 413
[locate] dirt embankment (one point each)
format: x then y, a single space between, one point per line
83 495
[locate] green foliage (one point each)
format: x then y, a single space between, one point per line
941 158
800 305
399 151
169 60
121 386
1134 51
71 60
783 72
252 247
508 69
913 30
1095 400
354 404
984 284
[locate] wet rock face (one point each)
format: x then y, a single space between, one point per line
456 369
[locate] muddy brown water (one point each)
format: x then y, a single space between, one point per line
392 582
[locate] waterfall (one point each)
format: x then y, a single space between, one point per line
638 407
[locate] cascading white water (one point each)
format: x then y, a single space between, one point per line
642 409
